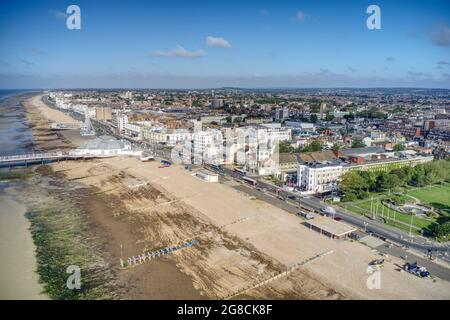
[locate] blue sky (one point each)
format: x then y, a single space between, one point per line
164 44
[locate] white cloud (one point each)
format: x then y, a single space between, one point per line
180 52
59 15
441 36
300 15
217 42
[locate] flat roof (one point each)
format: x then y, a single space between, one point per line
207 172
331 226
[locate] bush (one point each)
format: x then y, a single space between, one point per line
348 197
442 231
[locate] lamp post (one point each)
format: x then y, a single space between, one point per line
410 225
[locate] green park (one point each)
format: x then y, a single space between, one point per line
413 199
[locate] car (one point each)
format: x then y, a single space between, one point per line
417 270
306 215
328 211
337 218
377 263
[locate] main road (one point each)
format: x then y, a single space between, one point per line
364 223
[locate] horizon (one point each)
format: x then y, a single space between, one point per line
256 44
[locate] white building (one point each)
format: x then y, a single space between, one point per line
121 122
105 146
207 146
177 136
318 177
132 130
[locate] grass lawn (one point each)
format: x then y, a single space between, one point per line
438 196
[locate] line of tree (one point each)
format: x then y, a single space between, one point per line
314 145
357 184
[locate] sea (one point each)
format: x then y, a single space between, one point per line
15 132
18 277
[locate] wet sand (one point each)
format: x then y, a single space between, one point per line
17 264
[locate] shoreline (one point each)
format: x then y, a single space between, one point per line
18 276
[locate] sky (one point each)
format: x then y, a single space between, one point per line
206 44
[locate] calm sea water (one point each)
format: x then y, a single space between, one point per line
15 133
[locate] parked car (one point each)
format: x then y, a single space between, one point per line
377 263
417 270
306 215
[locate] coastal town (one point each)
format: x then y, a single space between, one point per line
246 195
225 159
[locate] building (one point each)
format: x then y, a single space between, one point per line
281 114
103 113
287 165
216 103
323 106
207 175
319 172
207 146
121 122
318 177
132 130
128 95
177 136
106 146
330 227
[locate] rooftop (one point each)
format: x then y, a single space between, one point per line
331 226
104 143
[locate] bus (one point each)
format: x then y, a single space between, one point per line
240 172
250 181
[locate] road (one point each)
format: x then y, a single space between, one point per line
293 207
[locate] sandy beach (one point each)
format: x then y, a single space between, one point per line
135 206
18 280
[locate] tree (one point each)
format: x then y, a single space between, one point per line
418 177
350 116
402 175
329 117
315 145
357 142
399 147
352 182
285 147
229 119
370 178
313 118
442 230
386 181
336 147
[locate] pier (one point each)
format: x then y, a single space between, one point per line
24 160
